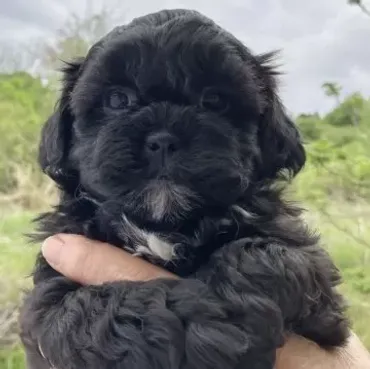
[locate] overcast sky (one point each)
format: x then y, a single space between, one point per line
321 40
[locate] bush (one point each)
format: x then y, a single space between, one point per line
24 106
347 113
337 155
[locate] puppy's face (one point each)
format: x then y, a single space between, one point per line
169 116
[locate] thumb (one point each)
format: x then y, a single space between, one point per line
92 262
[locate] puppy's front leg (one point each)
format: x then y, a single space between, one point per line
161 324
300 280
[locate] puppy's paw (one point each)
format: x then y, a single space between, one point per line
159 324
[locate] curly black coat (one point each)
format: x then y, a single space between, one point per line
170 141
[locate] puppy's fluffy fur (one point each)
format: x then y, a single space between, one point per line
170 141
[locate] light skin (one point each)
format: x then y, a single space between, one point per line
91 262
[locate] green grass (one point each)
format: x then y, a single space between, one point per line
16 255
12 358
353 258
16 261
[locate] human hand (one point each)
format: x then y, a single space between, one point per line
91 262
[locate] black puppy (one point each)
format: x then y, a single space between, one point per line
170 141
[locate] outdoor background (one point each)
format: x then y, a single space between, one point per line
326 87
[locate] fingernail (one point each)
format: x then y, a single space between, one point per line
51 249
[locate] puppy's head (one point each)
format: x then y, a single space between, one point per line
168 115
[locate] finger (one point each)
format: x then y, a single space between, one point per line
92 262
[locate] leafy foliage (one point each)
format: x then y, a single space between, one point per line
338 152
332 89
24 105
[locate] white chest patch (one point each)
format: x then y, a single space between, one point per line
146 242
157 247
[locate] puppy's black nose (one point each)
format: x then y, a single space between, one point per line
160 145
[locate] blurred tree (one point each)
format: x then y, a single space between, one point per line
332 89
360 4
74 39
348 112
15 57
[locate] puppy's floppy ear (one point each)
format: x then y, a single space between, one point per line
281 146
56 133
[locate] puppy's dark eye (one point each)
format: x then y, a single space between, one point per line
214 101
120 98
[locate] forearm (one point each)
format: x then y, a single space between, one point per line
300 353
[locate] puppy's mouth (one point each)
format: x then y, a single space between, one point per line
165 199
163 177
